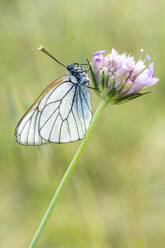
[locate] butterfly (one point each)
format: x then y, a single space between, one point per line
62 113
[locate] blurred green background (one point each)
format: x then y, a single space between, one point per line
116 196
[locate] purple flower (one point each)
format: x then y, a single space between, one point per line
119 77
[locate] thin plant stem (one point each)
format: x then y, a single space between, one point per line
68 173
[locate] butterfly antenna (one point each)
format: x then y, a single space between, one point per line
41 48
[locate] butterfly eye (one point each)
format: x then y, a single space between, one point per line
70 67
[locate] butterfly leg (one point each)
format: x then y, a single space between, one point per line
83 64
82 70
90 87
82 67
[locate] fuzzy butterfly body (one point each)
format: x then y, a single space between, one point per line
61 114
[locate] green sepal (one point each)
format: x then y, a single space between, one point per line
127 98
92 75
102 81
112 91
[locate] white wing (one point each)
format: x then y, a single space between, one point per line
67 114
27 129
27 132
61 114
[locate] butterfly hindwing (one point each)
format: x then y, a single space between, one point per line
62 120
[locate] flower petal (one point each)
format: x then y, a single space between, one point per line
151 70
98 53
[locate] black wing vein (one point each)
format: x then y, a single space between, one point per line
82 110
79 114
85 100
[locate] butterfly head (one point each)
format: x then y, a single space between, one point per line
73 67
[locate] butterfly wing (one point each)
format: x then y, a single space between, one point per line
61 114
66 115
27 129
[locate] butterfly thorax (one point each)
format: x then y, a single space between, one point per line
77 75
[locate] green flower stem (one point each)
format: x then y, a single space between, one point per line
68 173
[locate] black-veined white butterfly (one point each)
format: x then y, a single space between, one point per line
62 113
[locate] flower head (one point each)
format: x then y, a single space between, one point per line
119 77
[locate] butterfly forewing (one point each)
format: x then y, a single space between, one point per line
27 129
61 114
